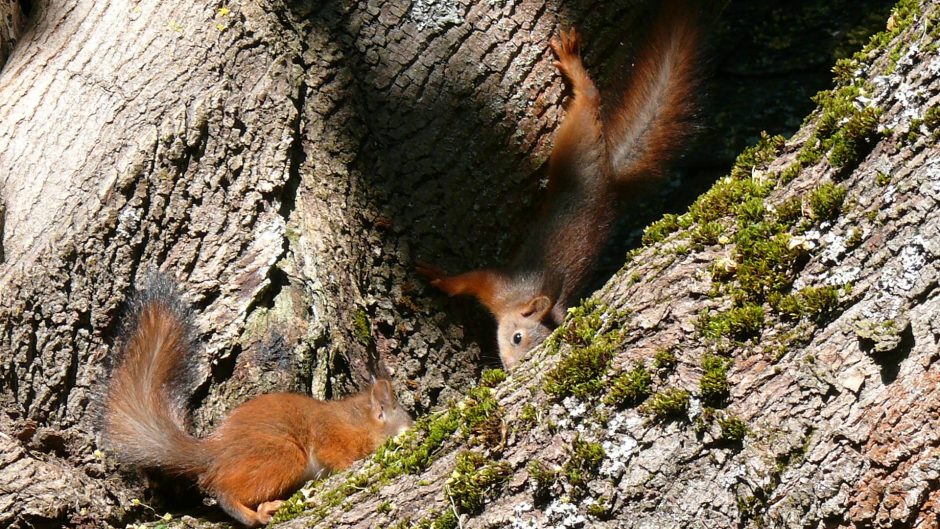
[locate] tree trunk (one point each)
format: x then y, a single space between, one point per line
798 300
288 163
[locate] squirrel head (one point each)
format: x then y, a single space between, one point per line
522 328
385 409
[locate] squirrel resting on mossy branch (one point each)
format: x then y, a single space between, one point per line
599 160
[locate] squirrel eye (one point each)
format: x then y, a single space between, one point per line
517 338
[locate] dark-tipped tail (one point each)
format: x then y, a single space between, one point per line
145 417
653 119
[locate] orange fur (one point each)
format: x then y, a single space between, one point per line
594 165
263 451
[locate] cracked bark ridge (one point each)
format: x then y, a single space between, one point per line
840 434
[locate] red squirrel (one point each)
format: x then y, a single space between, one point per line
595 165
262 451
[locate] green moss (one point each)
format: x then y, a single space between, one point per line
384 507
528 418
733 429
843 130
932 118
904 13
854 139
707 234
765 261
403 523
601 508
845 70
791 172
826 201
854 238
491 378
713 386
659 230
580 373
630 388
543 478
583 323
669 404
584 459
814 303
810 153
475 478
414 451
739 323
438 520
724 197
481 417
326 501
361 327
552 344
882 179
835 107
664 359
291 508
790 211
757 156
750 211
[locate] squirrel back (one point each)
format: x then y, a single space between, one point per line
145 415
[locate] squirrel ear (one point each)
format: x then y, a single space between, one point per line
383 397
537 308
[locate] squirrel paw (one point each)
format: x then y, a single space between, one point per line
429 271
267 509
567 48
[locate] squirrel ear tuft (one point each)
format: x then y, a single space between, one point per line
383 397
537 308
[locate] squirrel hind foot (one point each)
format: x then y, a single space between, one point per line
267 509
567 46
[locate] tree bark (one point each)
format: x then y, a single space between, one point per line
11 27
838 400
288 162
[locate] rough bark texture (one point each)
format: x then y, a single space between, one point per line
840 404
289 162
11 27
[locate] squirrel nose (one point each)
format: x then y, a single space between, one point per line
509 363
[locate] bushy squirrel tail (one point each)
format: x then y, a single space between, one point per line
145 417
653 117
